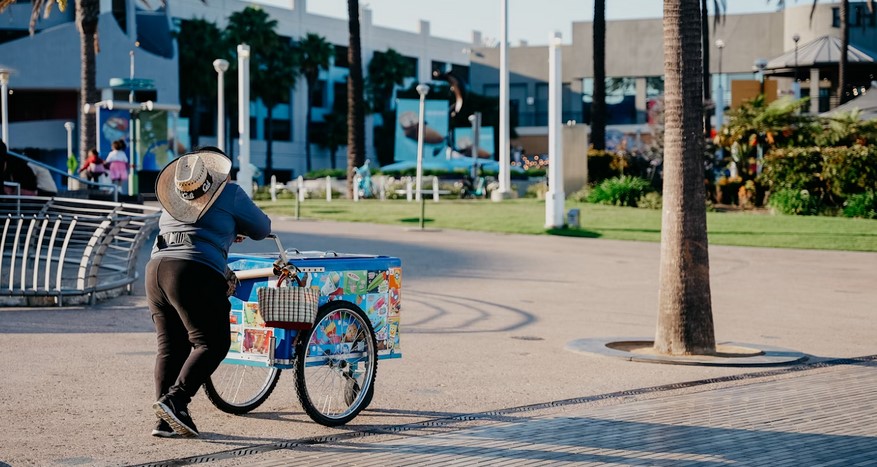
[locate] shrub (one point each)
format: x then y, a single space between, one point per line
650 200
603 165
580 196
536 190
620 191
862 205
795 202
323 173
830 174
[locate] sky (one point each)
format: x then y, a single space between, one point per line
530 20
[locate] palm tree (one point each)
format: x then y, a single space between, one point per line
276 79
87 12
598 104
842 65
315 53
254 27
200 42
355 102
685 321
385 71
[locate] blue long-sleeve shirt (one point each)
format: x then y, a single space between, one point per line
208 240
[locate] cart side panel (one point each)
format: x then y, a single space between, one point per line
373 283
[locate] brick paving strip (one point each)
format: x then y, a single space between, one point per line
818 413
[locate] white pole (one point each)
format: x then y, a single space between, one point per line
357 179
301 187
328 188
504 138
409 190
69 127
273 188
422 89
435 189
221 66
4 109
555 196
245 173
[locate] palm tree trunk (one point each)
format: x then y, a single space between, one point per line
598 104
685 323
842 67
355 108
86 20
707 87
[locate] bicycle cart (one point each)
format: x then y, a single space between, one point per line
335 361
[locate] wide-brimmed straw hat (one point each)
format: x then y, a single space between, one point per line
190 184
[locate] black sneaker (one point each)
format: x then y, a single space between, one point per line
163 429
176 415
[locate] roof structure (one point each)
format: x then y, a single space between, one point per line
822 51
866 103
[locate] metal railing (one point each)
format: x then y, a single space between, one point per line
106 187
69 251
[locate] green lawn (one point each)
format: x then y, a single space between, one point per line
527 216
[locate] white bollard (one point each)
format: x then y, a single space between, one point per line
409 189
383 187
273 188
356 181
301 187
435 189
328 188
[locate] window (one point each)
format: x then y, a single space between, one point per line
341 56
280 129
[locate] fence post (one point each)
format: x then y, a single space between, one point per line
273 189
356 181
409 195
435 189
301 187
328 188
383 187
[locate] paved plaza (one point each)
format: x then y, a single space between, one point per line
486 376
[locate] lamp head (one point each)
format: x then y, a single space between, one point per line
220 65
761 63
4 76
796 38
422 89
68 126
720 44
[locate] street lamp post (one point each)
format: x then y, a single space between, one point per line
70 170
245 173
720 93
760 65
221 66
422 90
554 198
4 109
796 87
504 144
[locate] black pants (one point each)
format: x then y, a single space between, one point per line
190 311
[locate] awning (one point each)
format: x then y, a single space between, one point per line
821 51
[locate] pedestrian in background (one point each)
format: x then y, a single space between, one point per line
93 166
117 161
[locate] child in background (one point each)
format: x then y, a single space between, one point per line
117 161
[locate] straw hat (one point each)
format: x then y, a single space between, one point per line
189 185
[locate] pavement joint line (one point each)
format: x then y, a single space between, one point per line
463 421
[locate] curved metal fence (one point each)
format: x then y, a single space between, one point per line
68 251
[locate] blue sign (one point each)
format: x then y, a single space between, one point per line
435 129
463 141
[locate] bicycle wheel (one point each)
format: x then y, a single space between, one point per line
238 389
336 364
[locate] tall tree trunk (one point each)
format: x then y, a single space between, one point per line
86 19
842 67
707 86
308 112
685 321
355 105
269 141
598 104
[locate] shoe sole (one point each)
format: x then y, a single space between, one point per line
165 413
163 434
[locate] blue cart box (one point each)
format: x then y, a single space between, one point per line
372 283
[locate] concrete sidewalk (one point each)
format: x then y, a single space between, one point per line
485 323
816 414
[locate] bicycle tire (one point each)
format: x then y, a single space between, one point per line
334 385
238 389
